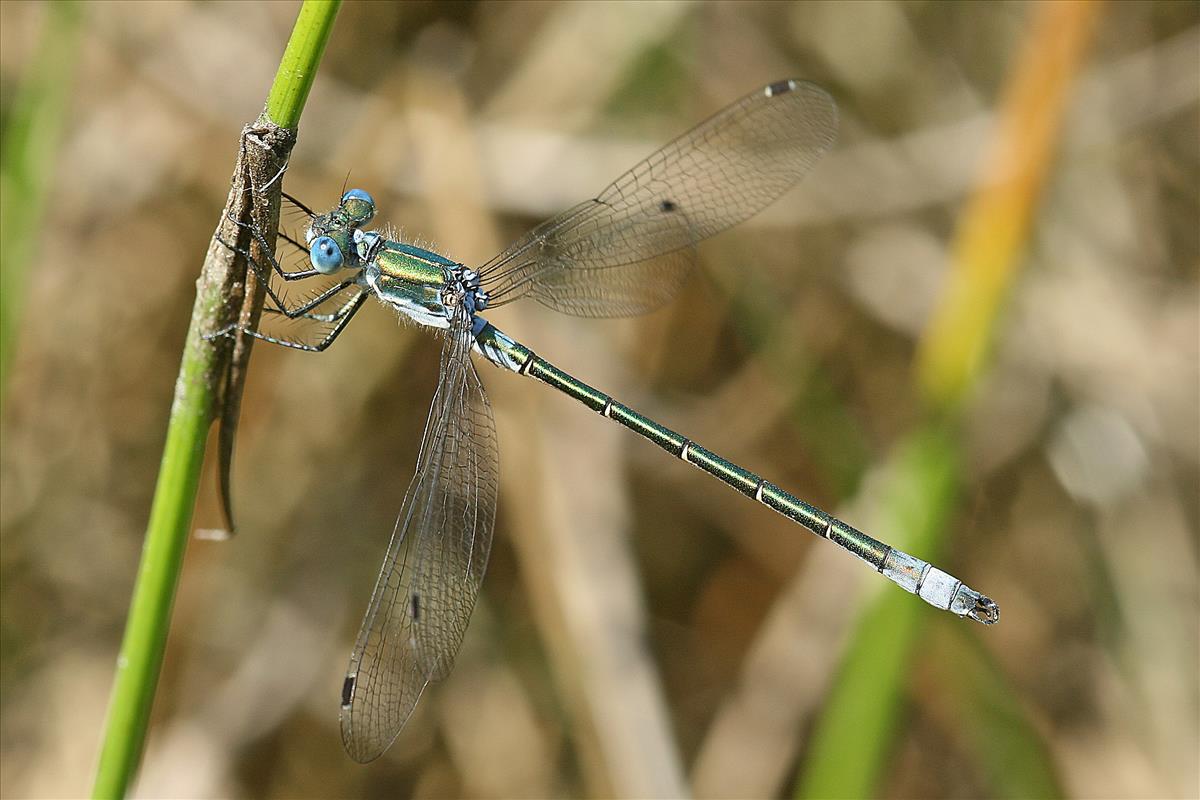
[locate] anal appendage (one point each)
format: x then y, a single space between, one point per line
938 588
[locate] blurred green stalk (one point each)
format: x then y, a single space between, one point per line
197 391
977 700
27 154
866 702
852 741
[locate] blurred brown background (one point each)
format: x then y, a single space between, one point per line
642 631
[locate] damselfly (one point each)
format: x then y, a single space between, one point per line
623 252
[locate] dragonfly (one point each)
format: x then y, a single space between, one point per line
626 251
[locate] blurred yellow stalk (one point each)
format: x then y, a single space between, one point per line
864 709
995 225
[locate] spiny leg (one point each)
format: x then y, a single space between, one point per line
281 305
295 275
260 272
298 204
341 317
264 248
261 240
302 311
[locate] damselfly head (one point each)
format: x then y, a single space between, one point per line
333 237
355 209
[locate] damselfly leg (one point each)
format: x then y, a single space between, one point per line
307 328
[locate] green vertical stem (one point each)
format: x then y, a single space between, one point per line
224 294
298 67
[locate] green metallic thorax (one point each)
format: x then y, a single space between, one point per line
412 280
412 264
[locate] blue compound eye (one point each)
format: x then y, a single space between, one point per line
325 255
358 194
358 206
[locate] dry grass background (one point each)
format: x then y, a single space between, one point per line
641 632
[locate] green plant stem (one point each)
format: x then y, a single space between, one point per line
162 558
202 383
298 67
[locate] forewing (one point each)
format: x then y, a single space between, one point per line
720 173
435 562
624 291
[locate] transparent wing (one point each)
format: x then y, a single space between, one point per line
435 562
629 250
